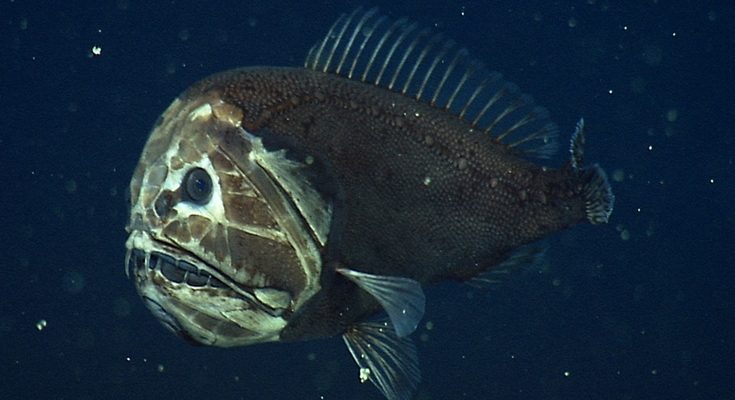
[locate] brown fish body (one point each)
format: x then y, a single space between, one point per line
426 195
422 194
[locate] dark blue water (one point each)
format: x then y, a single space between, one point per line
642 308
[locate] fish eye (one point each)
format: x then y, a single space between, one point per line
197 186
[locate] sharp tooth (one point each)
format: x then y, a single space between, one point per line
127 263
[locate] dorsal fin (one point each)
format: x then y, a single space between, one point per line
402 57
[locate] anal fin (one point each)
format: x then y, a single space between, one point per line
525 257
402 298
385 359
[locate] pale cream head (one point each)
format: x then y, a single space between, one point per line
224 234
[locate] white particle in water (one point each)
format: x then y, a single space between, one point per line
41 324
364 374
73 282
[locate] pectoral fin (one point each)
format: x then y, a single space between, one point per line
402 298
387 360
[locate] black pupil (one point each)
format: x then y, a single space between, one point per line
198 186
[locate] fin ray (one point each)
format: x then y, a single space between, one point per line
395 45
525 257
402 298
457 56
576 147
390 362
352 40
377 47
597 192
598 195
399 56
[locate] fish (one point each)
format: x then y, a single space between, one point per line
283 204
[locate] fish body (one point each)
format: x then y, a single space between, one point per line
283 204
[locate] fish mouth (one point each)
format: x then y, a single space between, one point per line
157 274
168 268
150 266
176 270
196 301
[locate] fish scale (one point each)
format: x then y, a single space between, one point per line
367 171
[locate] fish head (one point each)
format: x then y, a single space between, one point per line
215 247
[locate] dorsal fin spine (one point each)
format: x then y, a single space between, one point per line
406 54
401 22
375 51
459 54
487 106
513 106
402 57
357 30
472 98
531 116
357 56
312 59
434 39
467 74
338 40
491 78
309 57
351 41
440 57
525 120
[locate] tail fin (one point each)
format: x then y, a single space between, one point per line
598 196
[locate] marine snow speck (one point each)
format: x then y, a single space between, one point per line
285 204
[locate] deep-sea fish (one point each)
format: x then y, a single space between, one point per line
285 204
